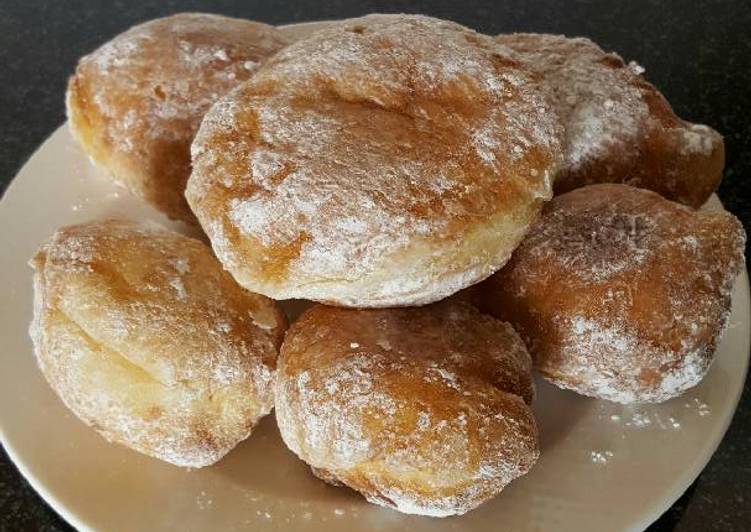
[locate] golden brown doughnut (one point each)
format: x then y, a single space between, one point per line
135 103
619 293
619 128
389 160
422 409
147 340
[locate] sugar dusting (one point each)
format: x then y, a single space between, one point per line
194 72
601 107
372 171
646 288
697 139
368 413
608 111
111 298
136 102
667 417
700 406
601 457
204 501
601 241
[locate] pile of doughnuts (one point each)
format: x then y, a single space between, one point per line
398 171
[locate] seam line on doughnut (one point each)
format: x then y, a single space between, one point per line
100 348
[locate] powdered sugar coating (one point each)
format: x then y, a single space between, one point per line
621 294
136 102
388 160
619 128
146 339
433 424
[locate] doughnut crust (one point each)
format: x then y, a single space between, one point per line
619 293
147 340
422 409
389 160
135 103
619 128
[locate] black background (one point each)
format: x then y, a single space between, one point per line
697 53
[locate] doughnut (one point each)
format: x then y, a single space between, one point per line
423 410
389 160
619 128
619 293
146 339
135 103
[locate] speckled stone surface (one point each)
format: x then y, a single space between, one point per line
697 53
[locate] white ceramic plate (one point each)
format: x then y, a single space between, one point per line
603 466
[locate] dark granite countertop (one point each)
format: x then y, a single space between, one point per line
698 53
